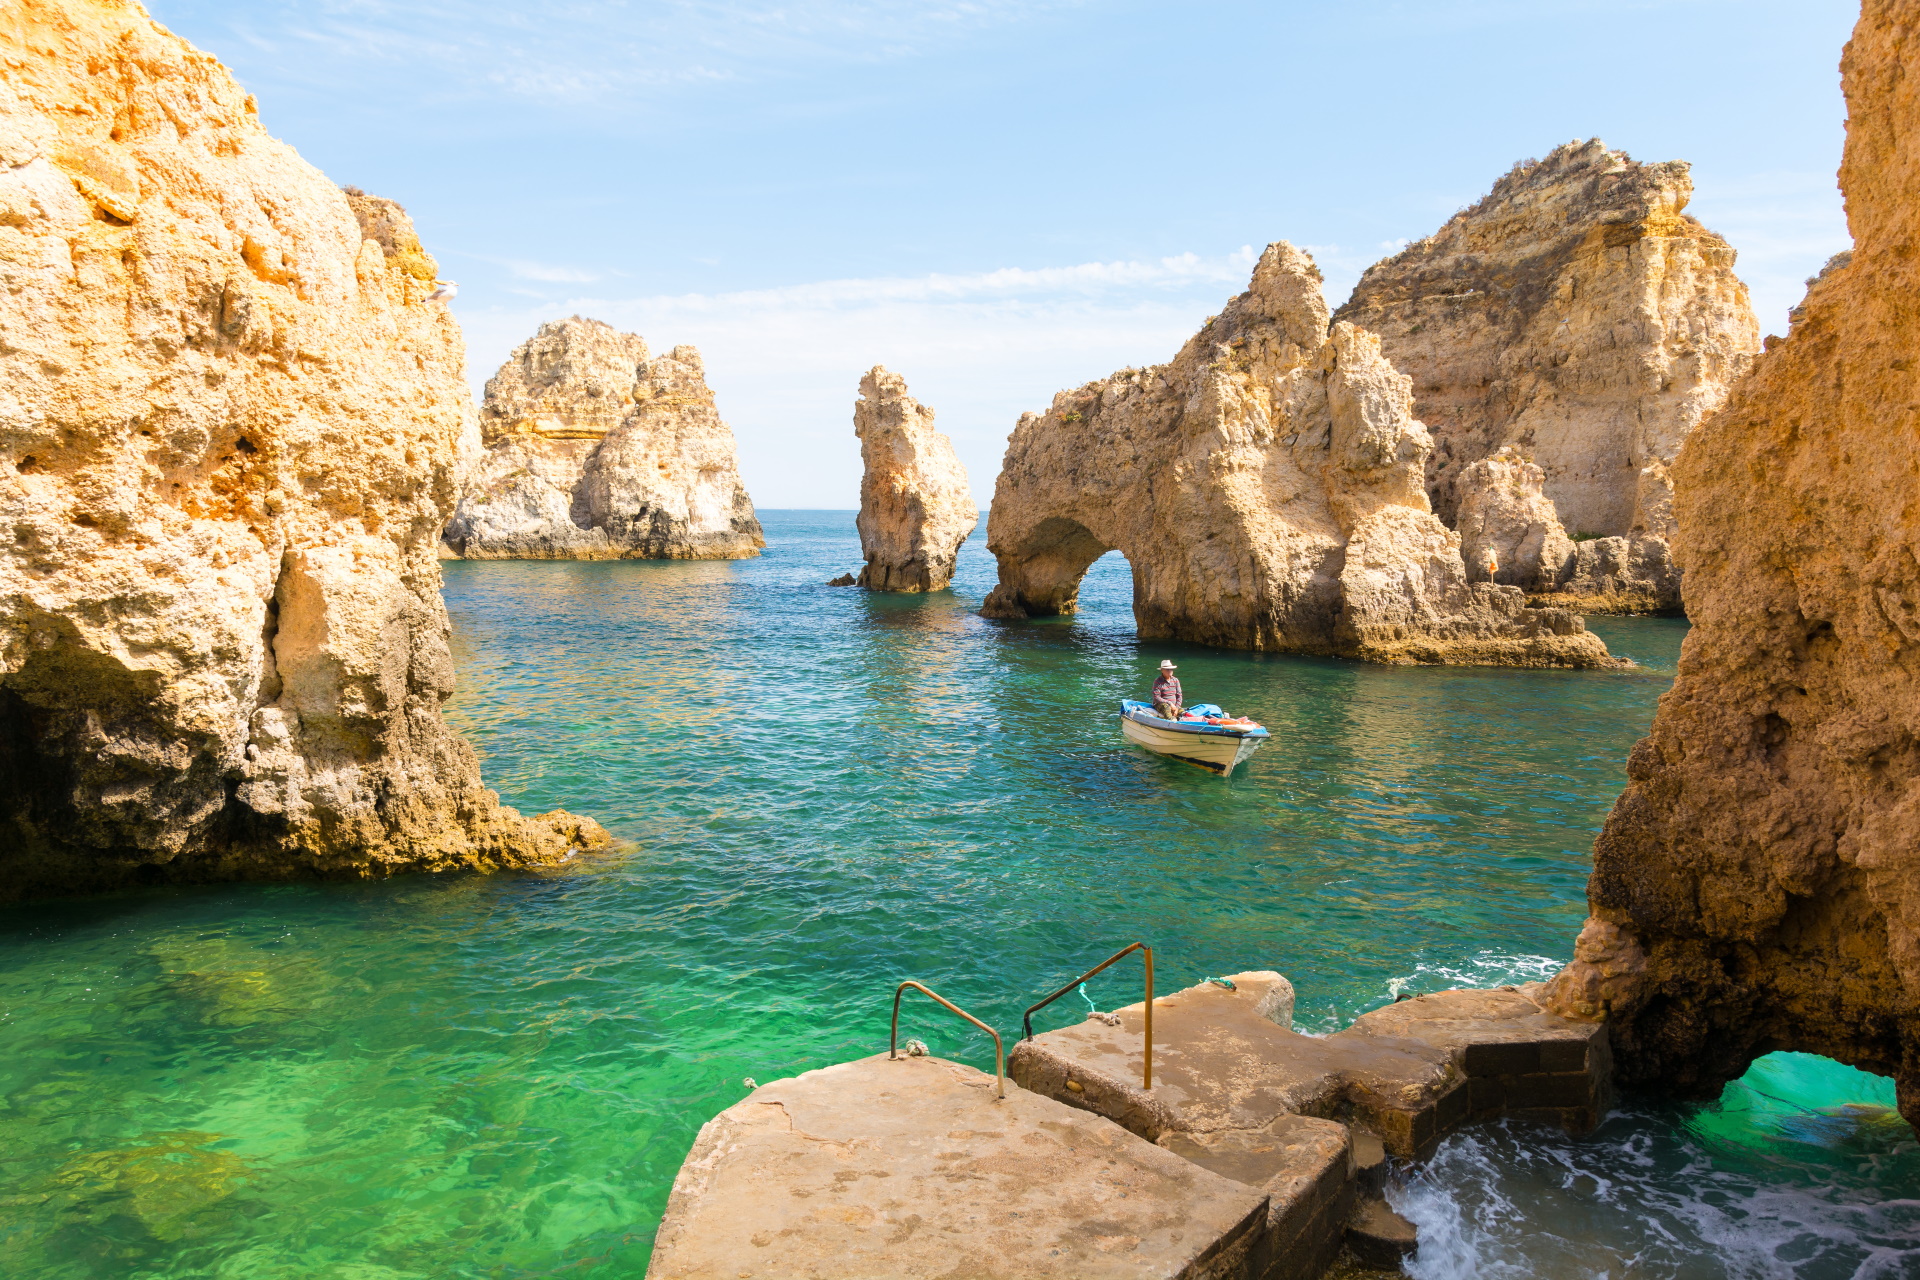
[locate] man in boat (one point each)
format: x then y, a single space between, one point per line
1168 700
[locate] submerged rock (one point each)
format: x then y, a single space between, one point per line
1267 487
915 506
1757 885
597 451
229 437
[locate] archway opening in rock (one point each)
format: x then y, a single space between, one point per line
1045 570
1809 1100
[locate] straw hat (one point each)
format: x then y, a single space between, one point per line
1166 664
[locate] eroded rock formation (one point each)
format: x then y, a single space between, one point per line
1757 886
1578 315
1509 530
597 451
227 442
1510 533
1267 488
915 506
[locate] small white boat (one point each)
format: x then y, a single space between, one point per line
1218 747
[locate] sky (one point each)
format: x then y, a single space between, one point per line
998 199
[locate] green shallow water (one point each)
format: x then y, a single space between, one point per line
829 791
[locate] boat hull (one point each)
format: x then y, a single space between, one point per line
1218 752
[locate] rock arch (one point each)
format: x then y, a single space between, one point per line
1267 487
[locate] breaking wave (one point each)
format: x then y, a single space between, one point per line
1785 1177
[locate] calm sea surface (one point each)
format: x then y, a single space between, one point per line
828 791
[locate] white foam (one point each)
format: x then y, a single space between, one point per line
1643 1198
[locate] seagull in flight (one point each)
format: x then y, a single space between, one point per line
445 291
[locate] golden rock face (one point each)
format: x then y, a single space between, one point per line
1266 485
597 450
1757 885
915 506
227 442
1576 314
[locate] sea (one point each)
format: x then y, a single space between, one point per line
822 792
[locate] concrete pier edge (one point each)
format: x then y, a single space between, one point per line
1259 1153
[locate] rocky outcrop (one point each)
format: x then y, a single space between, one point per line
1757 886
595 451
227 443
1579 316
1267 488
1616 575
915 506
1576 313
1510 533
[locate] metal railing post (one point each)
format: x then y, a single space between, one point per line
1146 1074
999 1055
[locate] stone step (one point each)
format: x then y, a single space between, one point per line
1379 1237
1227 1058
910 1167
1256 1154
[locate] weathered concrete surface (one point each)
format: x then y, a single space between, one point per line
1306 1167
1757 885
1519 1060
915 507
1411 1073
1379 1237
910 1168
1267 487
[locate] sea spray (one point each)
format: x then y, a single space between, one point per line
1679 1192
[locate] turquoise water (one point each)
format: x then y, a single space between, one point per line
828 791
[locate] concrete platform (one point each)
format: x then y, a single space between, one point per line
1257 1154
1226 1060
1519 1060
910 1168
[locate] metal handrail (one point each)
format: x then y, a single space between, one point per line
999 1055
1146 1075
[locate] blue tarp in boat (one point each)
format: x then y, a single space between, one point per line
1144 711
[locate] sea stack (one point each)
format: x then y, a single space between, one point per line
915 506
1579 317
1757 885
597 451
229 438
1267 487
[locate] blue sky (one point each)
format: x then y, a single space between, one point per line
997 199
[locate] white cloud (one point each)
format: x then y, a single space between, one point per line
982 347
599 50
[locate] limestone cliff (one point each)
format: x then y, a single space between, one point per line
1511 533
915 506
1267 488
1579 315
1509 530
227 442
1757 885
595 451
